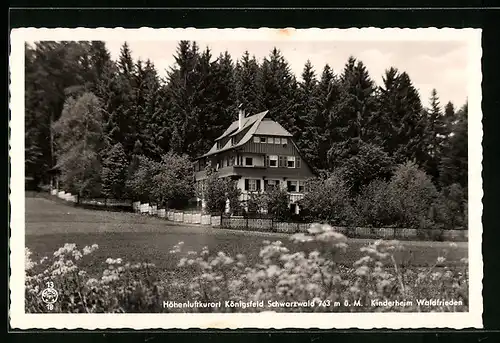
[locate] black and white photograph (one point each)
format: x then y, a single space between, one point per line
232 178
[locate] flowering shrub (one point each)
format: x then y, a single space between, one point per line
281 281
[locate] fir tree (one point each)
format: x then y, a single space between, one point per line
248 91
453 166
400 123
114 172
278 85
435 135
308 138
351 117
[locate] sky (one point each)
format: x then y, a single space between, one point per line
430 64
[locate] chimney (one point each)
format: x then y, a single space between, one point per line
241 116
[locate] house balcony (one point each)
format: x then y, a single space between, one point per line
256 172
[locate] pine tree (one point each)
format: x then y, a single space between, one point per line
278 85
225 79
179 96
449 116
328 94
123 119
307 101
436 133
248 91
151 116
453 166
114 172
350 119
400 123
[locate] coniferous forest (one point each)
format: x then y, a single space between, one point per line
383 152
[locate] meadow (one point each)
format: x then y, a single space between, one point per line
147 251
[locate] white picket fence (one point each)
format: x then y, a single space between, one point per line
176 216
64 196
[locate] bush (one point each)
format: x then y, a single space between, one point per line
328 200
407 200
173 184
414 194
256 202
374 205
168 182
280 276
368 162
449 208
217 191
141 182
276 201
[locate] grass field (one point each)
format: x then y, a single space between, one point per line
136 238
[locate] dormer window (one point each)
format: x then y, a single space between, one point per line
256 139
262 139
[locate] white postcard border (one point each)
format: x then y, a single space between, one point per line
21 320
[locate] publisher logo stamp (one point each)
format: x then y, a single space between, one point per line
49 295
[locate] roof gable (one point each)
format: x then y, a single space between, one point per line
252 122
271 128
233 128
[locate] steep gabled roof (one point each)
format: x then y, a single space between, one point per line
271 128
252 123
233 128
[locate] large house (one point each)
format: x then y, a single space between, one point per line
257 153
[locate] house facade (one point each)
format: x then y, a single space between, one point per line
257 153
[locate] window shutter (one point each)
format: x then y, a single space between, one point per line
265 185
281 161
258 184
297 162
267 161
246 185
288 186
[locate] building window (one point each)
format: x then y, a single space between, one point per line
231 161
262 139
233 140
291 186
301 187
284 141
248 161
252 185
290 162
270 140
269 184
256 139
273 161
277 140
